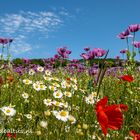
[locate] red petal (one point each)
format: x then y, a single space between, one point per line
115 117
128 78
123 107
132 133
101 104
103 121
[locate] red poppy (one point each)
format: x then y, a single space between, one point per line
109 116
134 134
127 78
9 135
14 136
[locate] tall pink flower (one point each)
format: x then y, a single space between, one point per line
136 44
134 27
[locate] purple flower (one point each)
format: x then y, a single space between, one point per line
136 44
26 60
117 57
85 56
123 51
134 27
75 60
124 34
98 52
93 71
56 56
5 40
63 52
87 49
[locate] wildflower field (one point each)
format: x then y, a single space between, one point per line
78 101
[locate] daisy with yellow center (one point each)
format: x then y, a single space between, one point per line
90 99
25 95
68 94
61 115
55 79
31 72
42 87
47 102
27 81
40 69
58 94
36 86
8 111
56 84
53 88
47 78
48 72
58 104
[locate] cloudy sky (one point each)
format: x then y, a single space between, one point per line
40 26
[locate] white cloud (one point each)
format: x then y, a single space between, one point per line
25 25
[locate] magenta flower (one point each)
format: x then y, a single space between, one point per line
134 27
123 51
124 34
136 44
87 49
85 56
98 52
5 40
63 52
117 57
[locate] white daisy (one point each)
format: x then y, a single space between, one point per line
42 87
31 72
62 115
25 95
40 69
58 94
47 78
48 72
47 102
53 88
36 86
90 99
27 81
8 111
58 104
68 94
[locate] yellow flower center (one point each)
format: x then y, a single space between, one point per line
8 111
63 113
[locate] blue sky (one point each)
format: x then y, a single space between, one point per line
39 27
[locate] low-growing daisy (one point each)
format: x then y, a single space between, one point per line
40 69
53 88
90 99
42 87
58 104
61 115
25 95
48 72
27 81
36 86
58 94
31 72
8 111
47 102
68 94
47 78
